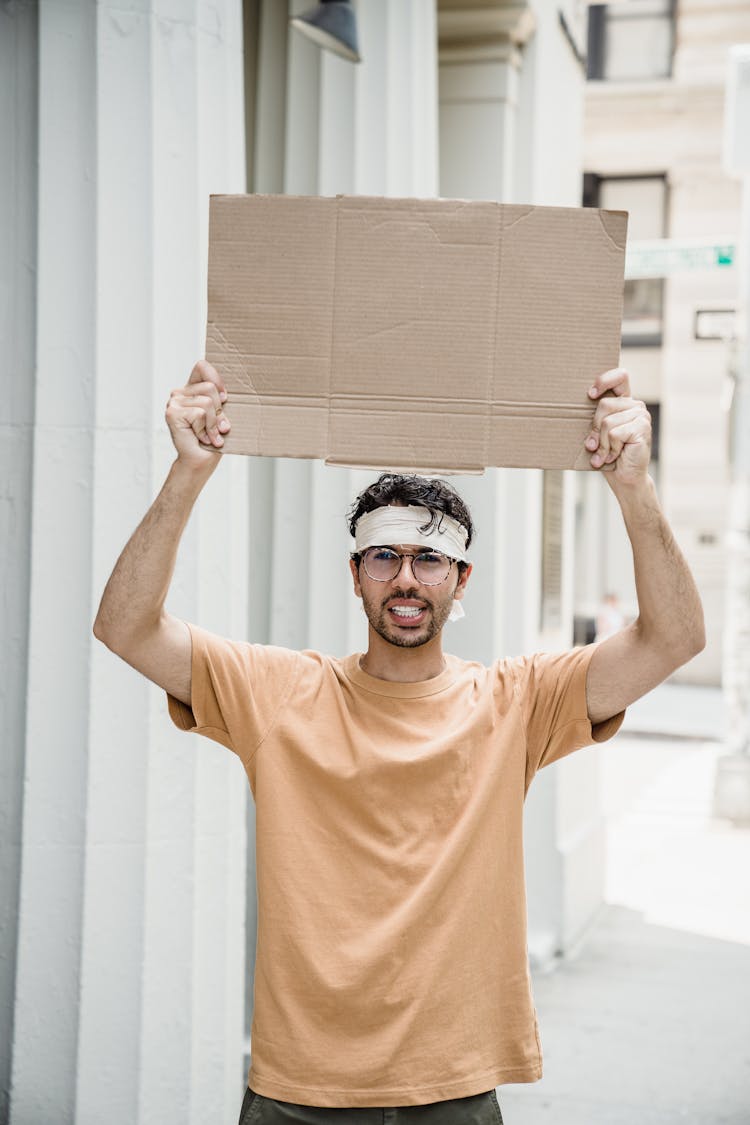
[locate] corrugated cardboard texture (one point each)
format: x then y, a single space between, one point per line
433 335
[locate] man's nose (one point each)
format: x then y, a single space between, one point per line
407 561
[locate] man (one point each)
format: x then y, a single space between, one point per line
392 981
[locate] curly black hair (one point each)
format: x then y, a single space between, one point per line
425 492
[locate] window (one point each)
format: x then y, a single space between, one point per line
631 40
645 198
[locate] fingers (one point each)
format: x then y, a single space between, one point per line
629 434
205 372
199 406
616 381
618 422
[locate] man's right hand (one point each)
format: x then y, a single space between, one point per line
196 418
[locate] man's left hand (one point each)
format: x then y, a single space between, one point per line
620 439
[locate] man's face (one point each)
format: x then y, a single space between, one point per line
402 611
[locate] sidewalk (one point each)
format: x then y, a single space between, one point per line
649 1021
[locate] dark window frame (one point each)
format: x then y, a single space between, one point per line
596 43
592 183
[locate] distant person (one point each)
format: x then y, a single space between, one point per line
610 618
392 979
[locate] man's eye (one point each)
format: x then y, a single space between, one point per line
382 554
429 559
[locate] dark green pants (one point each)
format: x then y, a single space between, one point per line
479 1109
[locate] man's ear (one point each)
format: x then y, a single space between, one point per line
355 575
463 578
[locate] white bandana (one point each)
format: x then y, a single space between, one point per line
391 525
384 527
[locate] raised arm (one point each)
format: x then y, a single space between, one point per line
132 620
669 628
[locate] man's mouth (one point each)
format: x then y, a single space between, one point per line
407 613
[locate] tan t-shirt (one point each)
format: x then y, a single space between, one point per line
392 965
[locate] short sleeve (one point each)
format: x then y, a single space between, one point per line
552 695
237 690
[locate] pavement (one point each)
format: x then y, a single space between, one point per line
648 1020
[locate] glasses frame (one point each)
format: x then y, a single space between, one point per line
359 556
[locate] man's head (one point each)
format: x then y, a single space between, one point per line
409 590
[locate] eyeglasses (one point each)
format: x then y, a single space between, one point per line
430 568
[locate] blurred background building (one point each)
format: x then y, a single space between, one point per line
654 119
126 862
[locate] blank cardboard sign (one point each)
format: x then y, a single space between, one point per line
427 335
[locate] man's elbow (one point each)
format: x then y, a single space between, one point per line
99 629
691 642
674 645
698 639
114 638
104 633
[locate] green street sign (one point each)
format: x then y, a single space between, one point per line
665 257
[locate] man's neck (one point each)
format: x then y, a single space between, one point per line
385 661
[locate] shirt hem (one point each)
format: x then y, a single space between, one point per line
400 1096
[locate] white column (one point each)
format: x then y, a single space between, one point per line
54 804
18 139
480 64
130 983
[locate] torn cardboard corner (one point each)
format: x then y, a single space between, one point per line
429 335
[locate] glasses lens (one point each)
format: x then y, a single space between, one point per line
431 567
381 564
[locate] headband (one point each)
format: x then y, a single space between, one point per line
384 526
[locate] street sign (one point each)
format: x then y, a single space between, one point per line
663 257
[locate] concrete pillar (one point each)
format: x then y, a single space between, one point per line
480 63
18 189
130 976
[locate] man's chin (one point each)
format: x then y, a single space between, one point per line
403 636
407 640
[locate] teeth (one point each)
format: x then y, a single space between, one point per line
406 610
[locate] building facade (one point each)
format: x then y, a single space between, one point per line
654 124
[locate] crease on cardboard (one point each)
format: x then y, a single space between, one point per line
405 220
378 216
369 336
244 374
413 466
610 218
519 218
249 398
551 409
436 400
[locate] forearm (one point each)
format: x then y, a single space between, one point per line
670 613
133 599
